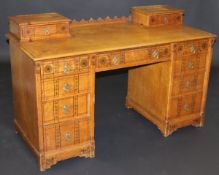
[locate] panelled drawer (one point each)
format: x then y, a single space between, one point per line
38 32
108 60
65 86
39 26
66 134
189 63
148 54
186 83
65 66
165 19
190 47
185 105
66 108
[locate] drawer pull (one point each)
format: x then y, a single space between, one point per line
155 54
190 65
165 20
66 87
188 84
67 68
186 107
66 108
67 136
46 30
116 60
193 49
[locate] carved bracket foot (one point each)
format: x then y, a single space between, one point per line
198 122
46 163
88 152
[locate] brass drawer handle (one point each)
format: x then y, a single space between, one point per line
67 136
155 54
190 65
166 20
193 49
188 84
66 87
116 60
67 68
186 107
46 30
66 108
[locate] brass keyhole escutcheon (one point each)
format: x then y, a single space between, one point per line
48 69
67 136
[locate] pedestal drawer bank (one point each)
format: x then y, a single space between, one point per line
54 61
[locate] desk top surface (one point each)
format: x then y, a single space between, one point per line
109 37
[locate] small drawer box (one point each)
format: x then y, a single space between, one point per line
39 26
156 15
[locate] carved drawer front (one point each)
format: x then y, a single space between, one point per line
149 54
185 105
66 134
189 63
159 52
75 134
38 32
185 83
65 66
109 60
191 47
65 86
165 19
66 108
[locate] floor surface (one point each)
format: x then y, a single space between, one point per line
126 143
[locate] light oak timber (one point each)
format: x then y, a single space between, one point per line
53 75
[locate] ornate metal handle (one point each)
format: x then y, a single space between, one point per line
66 87
155 54
67 68
190 65
67 136
193 49
46 30
188 84
186 107
66 108
116 60
166 20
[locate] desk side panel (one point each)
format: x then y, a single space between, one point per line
24 95
148 91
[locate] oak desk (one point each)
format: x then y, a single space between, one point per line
54 61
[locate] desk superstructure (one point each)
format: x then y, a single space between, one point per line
54 61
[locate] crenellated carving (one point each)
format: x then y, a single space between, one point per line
99 21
